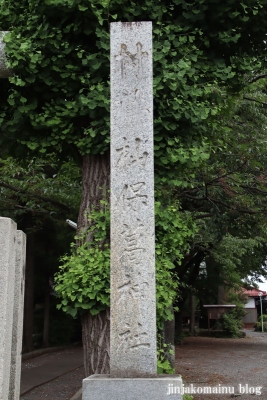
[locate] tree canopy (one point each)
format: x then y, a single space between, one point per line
59 52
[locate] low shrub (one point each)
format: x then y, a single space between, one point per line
232 322
258 325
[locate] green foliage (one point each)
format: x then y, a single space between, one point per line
232 321
187 397
174 230
232 195
258 325
163 365
43 186
230 325
230 254
263 317
83 281
210 150
58 96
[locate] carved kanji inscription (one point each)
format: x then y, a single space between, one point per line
133 338
133 321
130 154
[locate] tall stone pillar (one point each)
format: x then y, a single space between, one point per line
7 277
18 307
133 363
12 261
133 297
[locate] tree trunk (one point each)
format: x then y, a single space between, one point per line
178 326
168 338
191 267
192 314
96 335
96 342
96 184
46 314
221 295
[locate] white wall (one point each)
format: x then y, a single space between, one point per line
250 303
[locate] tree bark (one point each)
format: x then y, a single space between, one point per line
191 268
168 338
192 316
221 295
96 342
46 313
178 326
96 184
96 329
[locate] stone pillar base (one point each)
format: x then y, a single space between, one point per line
102 387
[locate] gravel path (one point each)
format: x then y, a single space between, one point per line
204 363
228 366
52 376
62 388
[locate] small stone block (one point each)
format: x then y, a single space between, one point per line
102 387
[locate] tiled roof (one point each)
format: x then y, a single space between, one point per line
254 292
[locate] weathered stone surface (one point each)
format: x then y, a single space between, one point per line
4 71
7 277
133 309
101 387
15 370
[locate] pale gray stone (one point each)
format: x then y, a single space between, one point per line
4 71
8 233
133 299
133 364
102 387
18 307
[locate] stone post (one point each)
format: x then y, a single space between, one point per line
133 296
4 71
12 256
133 364
17 331
7 276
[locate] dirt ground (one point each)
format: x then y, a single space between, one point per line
204 363
235 368
62 388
